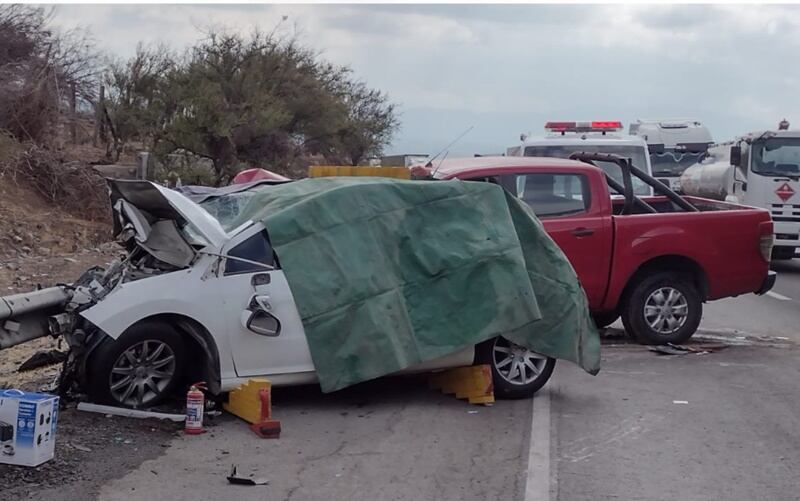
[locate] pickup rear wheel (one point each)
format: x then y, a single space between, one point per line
663 308
141 368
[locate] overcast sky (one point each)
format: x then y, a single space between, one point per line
507 69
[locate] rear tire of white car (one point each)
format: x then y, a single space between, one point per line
142 368
663 308
517 372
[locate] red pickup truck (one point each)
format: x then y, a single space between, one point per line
651 260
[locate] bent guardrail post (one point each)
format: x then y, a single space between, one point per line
24 316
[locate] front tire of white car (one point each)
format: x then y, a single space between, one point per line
142 368
517 372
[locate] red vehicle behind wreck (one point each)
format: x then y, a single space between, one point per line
653 261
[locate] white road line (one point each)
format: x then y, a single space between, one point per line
537 481
778 296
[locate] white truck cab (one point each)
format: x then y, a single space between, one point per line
760 169
674 145
768 176
565 138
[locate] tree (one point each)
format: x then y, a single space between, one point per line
255 99
371 121
135 100
39 70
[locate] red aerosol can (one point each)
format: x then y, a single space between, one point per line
195 405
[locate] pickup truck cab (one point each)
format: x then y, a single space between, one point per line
652 260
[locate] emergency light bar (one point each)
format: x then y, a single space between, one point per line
583 126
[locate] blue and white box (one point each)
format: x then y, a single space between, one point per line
27 427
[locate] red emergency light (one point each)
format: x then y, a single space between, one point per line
599 126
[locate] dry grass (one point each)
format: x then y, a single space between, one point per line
73 186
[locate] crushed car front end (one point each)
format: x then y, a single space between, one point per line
162 234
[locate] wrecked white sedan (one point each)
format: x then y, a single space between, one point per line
192 300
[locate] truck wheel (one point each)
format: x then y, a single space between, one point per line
663 308
603 320
141 368
517 372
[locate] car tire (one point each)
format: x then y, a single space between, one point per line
517 385
142 368
603 320
663 308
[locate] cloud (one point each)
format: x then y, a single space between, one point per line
508 68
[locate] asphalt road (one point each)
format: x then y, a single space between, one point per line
721 425
775 314
697 427
392 439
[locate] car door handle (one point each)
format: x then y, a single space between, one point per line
582 232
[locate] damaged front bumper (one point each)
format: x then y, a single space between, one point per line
54 312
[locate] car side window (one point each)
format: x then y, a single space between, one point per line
256 248
553 195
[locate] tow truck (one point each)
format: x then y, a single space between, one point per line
760 169
563 139
674 145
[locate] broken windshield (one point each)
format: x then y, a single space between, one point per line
226 208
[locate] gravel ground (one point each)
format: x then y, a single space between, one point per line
91 449
26 272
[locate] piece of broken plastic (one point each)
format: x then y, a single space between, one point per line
131 413
43 359
664 349
234 478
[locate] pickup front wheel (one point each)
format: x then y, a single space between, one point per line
663 308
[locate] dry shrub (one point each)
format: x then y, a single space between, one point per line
74 186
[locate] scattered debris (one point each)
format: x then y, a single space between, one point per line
43 359
132 413
683 349
664 349
79 447
234 478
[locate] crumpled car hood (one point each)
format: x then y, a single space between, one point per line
164 203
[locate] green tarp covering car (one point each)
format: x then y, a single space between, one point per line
389 273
